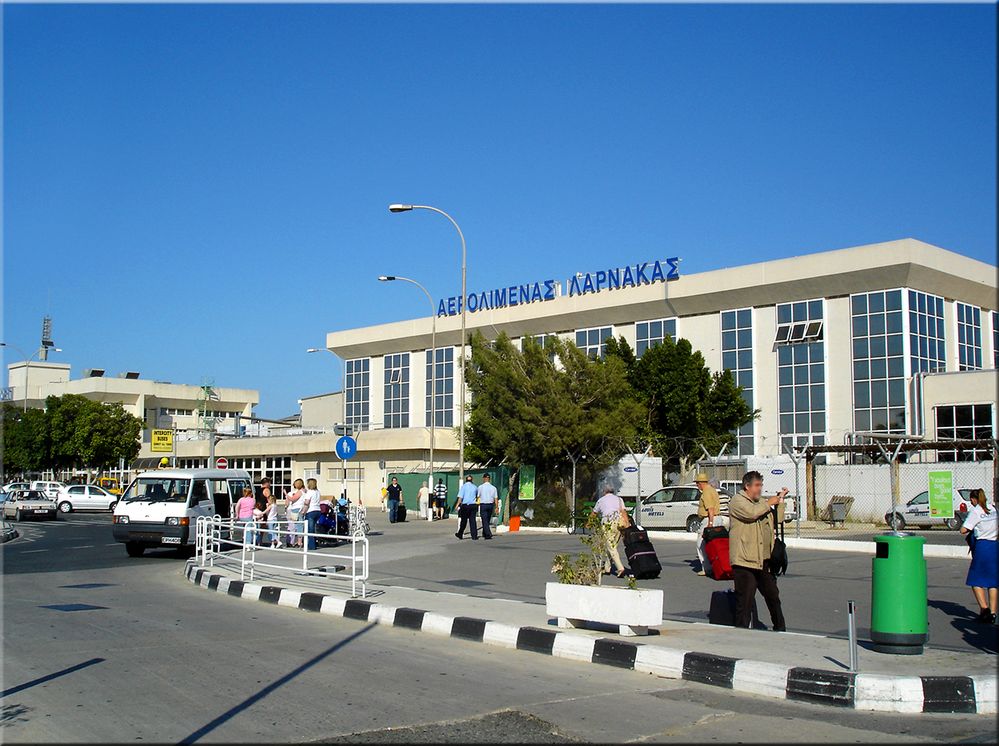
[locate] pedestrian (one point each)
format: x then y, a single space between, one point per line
423 500
709 510
312 511
265 489
982 575
393 498
244 515
614 514
440 498
293 510
468 496
384 497
751 543
270 516
488 504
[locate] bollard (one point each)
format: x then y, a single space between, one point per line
851 613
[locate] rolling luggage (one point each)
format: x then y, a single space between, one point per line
400 513
641 554
722 609
716 549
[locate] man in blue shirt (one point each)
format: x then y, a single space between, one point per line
488 502
468 498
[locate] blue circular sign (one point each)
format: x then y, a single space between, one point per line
346 447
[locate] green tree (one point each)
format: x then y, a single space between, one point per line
26 441
685 405
91 434
528 409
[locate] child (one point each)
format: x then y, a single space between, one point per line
270 515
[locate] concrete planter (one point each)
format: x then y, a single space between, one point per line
632 611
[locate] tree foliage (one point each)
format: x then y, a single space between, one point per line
72 431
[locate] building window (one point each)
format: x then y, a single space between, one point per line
995 339
878 362
650 333
440 374
737 356
357 387
969 337
801 375
964 422
926 333
591 341
397 390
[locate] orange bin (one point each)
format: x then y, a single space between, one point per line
515 523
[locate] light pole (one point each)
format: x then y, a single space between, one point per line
433 377
27 365
343 404
464 298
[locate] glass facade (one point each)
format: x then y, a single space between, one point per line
357 392
969 336
995 339
440 387
648 333
591 341
801 375
964 422
397 390
737 356
926 333
878 362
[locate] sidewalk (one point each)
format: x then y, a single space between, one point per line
784 665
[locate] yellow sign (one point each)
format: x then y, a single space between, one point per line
161 441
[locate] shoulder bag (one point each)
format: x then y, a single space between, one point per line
778 556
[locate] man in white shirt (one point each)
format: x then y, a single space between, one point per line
423 499
488 497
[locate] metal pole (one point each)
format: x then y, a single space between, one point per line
851 613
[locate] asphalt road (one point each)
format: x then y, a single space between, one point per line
152 658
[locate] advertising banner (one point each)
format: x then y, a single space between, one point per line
942 494
526 483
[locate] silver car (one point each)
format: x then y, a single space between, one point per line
84 497
23 504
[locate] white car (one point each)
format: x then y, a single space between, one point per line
15 486
51 489
22 504
676 507
84 497
916 512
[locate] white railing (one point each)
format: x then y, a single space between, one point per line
218 538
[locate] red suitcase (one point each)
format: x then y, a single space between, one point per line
717 552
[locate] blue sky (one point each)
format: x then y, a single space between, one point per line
200 191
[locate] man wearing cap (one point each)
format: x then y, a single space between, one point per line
709 511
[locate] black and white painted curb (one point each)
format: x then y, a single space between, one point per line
886 693
7 534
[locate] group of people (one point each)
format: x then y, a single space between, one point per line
303 509
475 503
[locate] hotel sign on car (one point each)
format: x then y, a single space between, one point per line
633 275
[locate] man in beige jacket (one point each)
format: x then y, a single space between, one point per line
751 542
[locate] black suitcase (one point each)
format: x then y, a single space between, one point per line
641 554
722 609
400 513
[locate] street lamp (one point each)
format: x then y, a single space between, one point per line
27 366
343 403
433 375
395 207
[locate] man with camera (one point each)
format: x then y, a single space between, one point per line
751 545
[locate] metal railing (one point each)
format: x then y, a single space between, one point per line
218 538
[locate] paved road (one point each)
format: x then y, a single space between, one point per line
157 659
814 593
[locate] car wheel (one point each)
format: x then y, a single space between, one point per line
952 523
897 522
134 549
693 523
65 507
111 508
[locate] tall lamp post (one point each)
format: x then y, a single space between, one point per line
343 403
464 297
27 366
433 376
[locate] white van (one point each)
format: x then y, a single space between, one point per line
51 489
160 508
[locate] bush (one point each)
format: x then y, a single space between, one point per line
545 511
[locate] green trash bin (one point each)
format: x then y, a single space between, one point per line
899 622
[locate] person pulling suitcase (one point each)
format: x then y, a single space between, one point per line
612 511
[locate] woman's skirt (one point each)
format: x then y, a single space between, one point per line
984 570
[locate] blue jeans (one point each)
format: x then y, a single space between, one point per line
486 513
248 533
312 517
393 506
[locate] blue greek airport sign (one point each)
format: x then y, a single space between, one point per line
630 276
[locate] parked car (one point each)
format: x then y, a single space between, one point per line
84 497
51 489
676 507
23 504
916 512
14 486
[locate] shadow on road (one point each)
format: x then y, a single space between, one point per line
49 677
985 637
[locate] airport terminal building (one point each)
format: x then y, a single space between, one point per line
826 345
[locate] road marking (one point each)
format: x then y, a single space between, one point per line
85 546
32 551
112 544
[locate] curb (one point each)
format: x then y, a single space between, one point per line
8 535
883 693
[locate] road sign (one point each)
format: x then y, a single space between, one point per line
221 463
346 447
161 441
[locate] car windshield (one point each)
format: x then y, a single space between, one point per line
32 495
152 489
